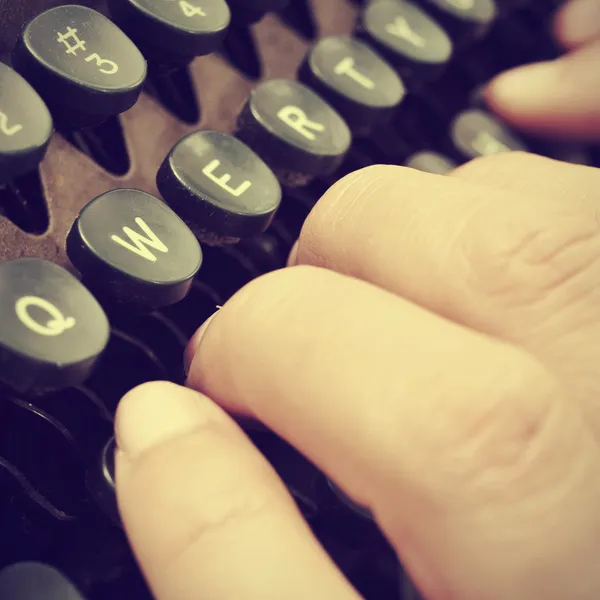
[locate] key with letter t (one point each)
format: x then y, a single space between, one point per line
83 66
53 329
132 248
220 187
355 80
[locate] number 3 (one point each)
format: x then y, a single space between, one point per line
189 10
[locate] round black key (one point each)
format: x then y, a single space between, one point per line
413 42
101 482
476 133
220 187
296 133
131 247
173 29
53 329
35 581
25 125
463 18
431 162
354 79
80 63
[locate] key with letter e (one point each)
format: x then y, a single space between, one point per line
132 248
220 187
53 329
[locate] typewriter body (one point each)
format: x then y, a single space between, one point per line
148 134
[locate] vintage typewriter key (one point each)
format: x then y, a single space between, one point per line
463 19
354 79
431 162
220 187
476 133
53 329
101 482
25 126
296 133
413 42
83 66
131 247
173 30
35 581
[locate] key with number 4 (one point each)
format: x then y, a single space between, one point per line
172 31
131 247
83 66
53 330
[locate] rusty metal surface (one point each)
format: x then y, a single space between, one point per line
71 179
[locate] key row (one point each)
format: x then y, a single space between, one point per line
300 131
86 69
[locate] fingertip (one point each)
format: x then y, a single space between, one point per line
155 413
577 22
560 98
522 90
194 343
293 256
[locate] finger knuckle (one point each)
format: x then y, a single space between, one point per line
533 253
497 437
512 162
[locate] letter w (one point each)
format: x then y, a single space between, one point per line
140 242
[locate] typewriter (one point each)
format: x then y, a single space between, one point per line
155 156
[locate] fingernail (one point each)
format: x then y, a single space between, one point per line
579 22
153 414
194 343
293 255
525 86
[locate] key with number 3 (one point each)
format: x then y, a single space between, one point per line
84 67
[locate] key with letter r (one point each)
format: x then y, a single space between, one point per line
297 133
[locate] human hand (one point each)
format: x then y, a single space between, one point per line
561 97
436 354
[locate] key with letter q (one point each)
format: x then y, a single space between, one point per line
53 329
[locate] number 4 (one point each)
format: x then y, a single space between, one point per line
189 10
